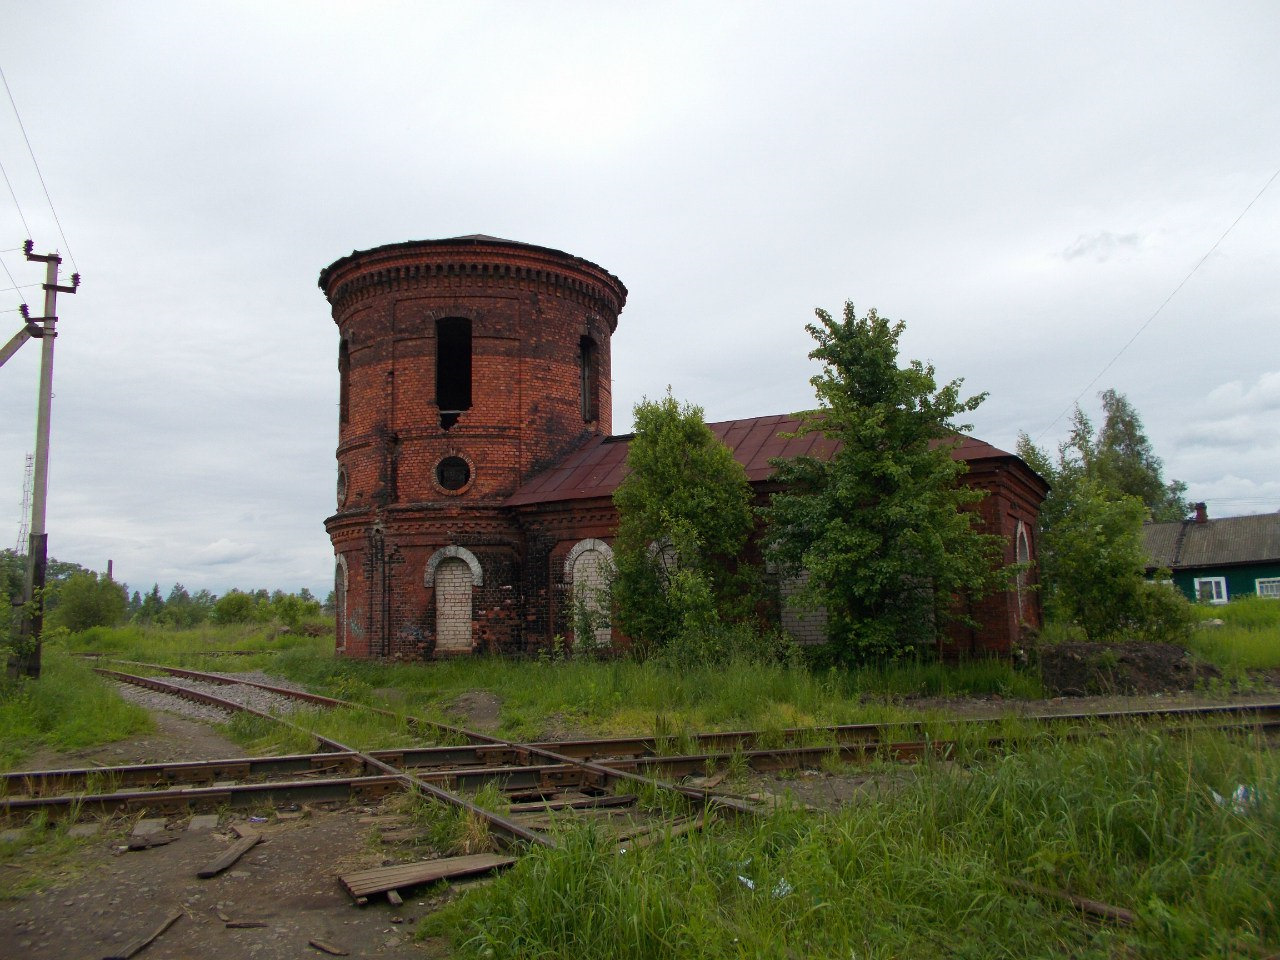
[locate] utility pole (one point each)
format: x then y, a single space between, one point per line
26 661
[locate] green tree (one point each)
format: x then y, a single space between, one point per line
881 526
235 606
1091 555
152 606
86 600
1125 462
684 514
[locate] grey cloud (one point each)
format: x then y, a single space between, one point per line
1102 246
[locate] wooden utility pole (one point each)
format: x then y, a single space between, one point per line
26 660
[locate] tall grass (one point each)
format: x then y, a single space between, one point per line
925 871
620 696
198 647
1248 639
68 708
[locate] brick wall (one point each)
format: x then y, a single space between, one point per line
530 309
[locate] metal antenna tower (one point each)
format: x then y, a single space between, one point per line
24 525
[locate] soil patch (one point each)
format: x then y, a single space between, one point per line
479 709
288 884
1081 669
175 739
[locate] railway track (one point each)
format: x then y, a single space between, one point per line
573 772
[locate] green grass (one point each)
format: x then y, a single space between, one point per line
254 645
1249 638
351 726
68 708
622 696
922 872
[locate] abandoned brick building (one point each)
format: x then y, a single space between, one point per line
476 464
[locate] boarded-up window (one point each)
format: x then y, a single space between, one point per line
1024 560
805 625
453 606
590 574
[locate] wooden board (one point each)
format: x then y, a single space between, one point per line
622 800
236 851
366 882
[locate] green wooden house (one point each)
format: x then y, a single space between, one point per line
1217 560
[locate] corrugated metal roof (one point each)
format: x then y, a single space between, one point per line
1215 543
597 467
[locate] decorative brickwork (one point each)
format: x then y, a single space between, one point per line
476 468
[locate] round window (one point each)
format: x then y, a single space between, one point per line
453 473
342 488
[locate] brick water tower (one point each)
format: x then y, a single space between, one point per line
466 367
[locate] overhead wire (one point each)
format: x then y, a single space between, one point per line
21 216
39 174
1110 363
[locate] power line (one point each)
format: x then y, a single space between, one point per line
1147 323
36 164
16 286
18 206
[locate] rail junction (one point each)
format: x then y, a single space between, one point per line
544 784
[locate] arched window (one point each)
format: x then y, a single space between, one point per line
588 569
453 572
1023 547
453 368
340 601
589 378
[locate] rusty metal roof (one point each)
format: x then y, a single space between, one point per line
597 467
1214 543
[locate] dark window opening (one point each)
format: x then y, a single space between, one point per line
589 378
344 386
453 369
453 473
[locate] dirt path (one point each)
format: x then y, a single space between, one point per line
288 882
175 739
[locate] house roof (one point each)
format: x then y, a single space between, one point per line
1214 543
597 467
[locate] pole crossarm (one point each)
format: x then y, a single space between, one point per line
16 341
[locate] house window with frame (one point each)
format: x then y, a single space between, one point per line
1268 587
1211 589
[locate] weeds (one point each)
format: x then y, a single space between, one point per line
922 870
68 708
1248 639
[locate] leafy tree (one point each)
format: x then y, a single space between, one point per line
882 526
183 611
235 606
88 600
152 606
684 513
1091 554
1125 463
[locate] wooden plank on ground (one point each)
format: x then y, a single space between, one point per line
366 882
646 836
622 800
232 854
139 944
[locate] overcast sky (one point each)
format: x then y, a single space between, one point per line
1022 183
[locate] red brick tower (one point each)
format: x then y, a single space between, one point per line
467 366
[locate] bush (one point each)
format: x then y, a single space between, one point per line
87 600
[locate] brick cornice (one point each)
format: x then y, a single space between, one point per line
456 265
